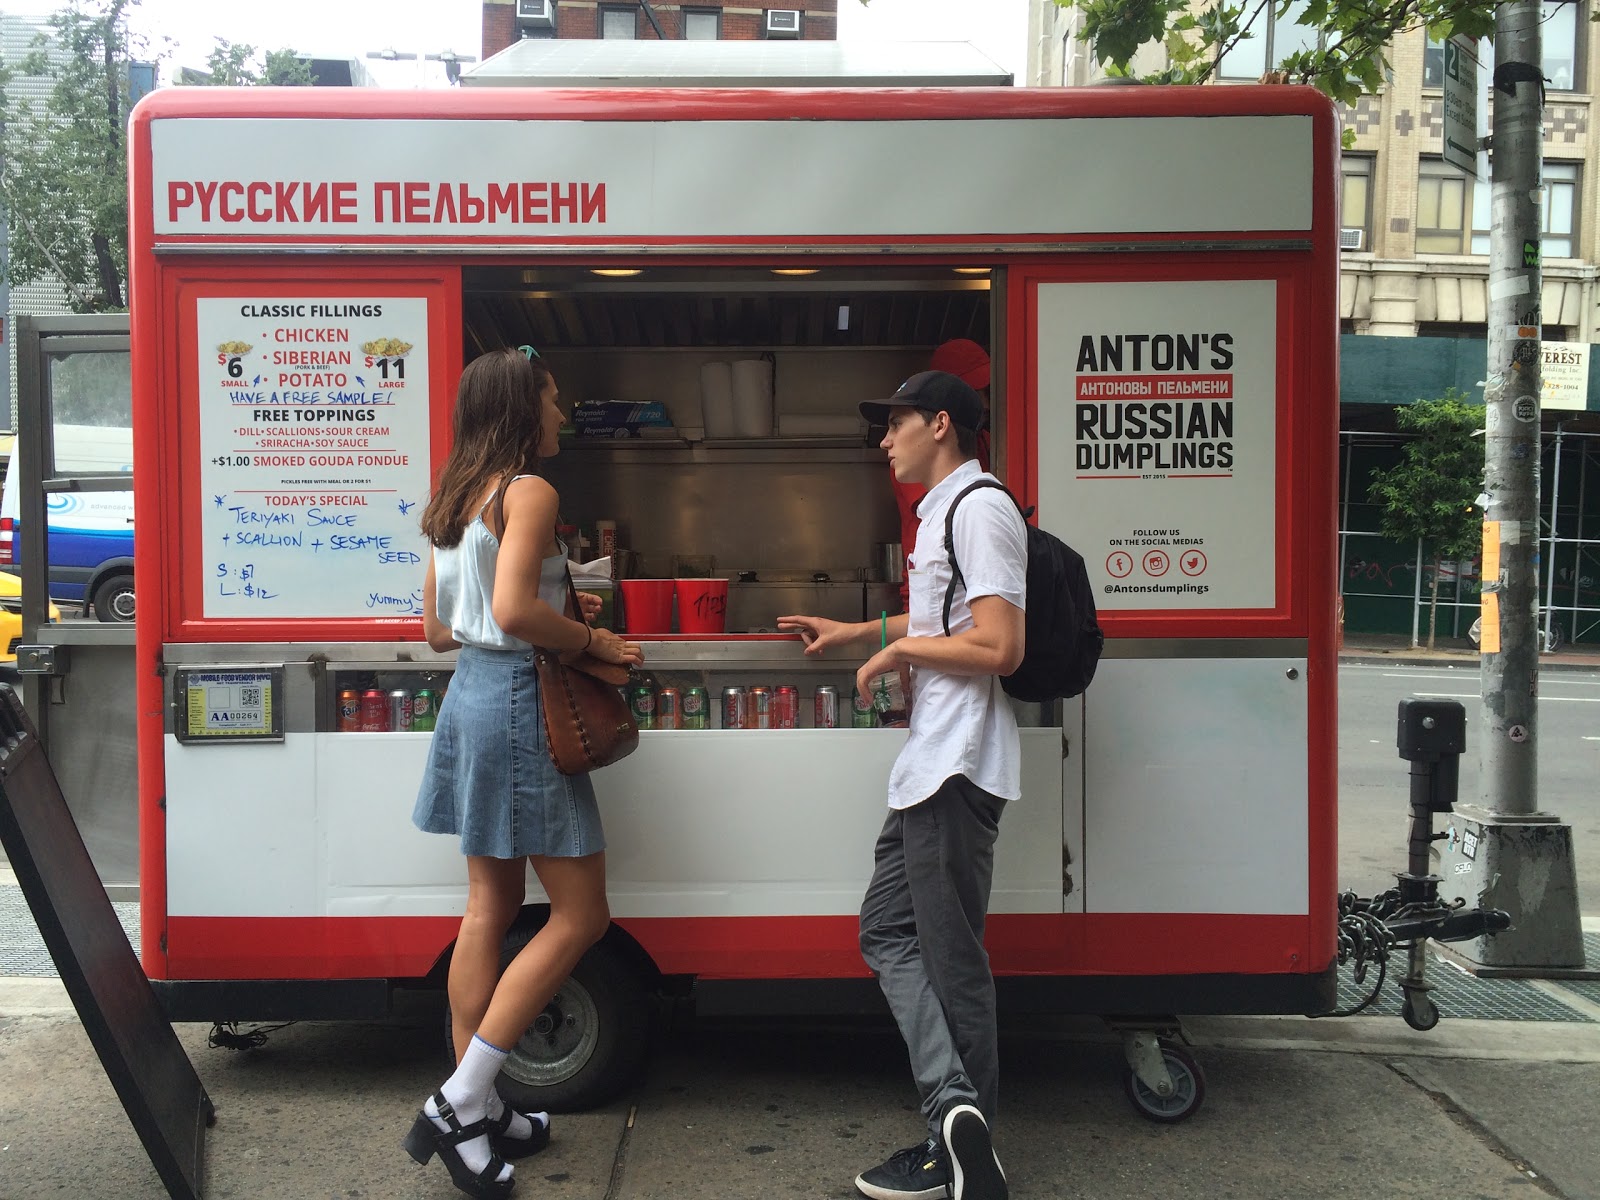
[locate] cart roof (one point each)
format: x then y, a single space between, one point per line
548 62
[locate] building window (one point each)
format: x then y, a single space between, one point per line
1562 48
1267 41
1446 197
1355 202
702 25
1444 200
619 23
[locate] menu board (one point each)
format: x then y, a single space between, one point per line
314 459
1158 439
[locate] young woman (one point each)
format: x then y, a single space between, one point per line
496 588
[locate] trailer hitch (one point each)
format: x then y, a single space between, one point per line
1432 736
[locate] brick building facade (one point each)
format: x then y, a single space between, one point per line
507 21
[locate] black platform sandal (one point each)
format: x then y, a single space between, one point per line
426 1139
506 1146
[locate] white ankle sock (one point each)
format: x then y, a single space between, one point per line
468 1092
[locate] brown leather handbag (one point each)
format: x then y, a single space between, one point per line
587 720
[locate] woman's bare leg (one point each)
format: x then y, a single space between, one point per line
496 888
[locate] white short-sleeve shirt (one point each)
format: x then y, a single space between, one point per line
962 724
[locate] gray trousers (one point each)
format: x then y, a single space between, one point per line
922 935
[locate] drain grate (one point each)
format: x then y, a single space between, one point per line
1458 994
22 950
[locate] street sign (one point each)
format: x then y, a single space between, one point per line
1461 104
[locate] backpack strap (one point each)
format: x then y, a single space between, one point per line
950 540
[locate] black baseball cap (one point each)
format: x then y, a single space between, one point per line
934 392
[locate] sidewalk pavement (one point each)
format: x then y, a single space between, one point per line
1496 1103
1453 652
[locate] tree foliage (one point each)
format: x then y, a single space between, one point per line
1350 61
233 64
1430 495
65 174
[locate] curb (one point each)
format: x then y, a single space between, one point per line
1456 661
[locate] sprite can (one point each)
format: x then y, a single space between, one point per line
696 704
424 711
862 715
642 700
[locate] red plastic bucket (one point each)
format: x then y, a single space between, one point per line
702 605
647 606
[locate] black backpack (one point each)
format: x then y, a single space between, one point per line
1063 636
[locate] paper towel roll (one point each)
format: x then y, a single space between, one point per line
752 397
716 399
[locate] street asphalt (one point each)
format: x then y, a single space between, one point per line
1362 1107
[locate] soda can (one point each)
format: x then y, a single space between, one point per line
642 700
349 710
400 711
696 707
760 708
669 708
374 711
786 707
735 708
424 711
825 710
862 715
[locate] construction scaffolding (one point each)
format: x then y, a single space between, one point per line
1386 587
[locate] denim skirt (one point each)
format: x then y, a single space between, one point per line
489 777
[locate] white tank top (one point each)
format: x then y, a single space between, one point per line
463 586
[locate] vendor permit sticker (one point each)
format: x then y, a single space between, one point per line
243 705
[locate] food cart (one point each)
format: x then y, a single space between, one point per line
1155 272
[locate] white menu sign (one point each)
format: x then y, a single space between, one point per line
314 460
1157 438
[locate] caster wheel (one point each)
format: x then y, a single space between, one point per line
1420 1012
1188 1089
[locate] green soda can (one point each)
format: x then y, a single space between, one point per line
862 715
642 700
424 711
696 705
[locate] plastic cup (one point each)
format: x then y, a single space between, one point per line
702 605
889 700
646 606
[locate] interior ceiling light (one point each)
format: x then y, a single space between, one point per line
795 270
971 270
617 272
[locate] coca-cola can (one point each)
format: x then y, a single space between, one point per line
786 707
374 711
400 711
760 708
735 707
825 711
669 709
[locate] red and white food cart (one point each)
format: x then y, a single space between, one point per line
1155 271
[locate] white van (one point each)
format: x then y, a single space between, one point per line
91 533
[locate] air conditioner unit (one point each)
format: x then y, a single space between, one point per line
536 14
783 23
1351 237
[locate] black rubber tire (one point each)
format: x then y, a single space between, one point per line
113 599
590 1042
1420 1012
1188 1096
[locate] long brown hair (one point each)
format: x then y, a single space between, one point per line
498 426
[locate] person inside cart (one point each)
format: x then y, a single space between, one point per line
968 362
497 587
923 915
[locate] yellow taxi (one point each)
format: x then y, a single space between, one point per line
11 616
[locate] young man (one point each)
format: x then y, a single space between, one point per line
923 916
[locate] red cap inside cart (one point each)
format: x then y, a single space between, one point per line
963 358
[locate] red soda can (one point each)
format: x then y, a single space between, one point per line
786 708
349 710
735 707
760 708
669 709
374 711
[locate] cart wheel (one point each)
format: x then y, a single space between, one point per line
588 1043
1188 1089
1420 1012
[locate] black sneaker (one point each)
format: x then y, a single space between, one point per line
975 1172
915 1173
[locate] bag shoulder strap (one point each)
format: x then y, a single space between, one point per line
950 540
